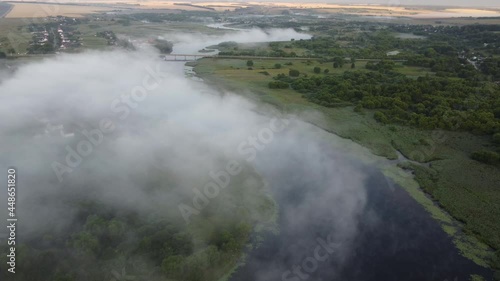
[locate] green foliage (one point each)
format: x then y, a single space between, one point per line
382 66
317 70
426 102
326 71
249 63
278 85
41 49
277 66
338 62
358 108
293 73
85 243
496 138
486 156
380 117
228 44
172 266
164 46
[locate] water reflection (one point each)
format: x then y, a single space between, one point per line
378 232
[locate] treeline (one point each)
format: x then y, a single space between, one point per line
451 51
426 102
471 35
258 53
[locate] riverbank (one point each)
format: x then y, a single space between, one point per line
458 192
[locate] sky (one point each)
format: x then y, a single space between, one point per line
488 3
491 3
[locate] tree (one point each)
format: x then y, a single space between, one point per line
486 156
353 65
85 243
171 265
164 46
277 66
249 63
338 62
317 70
381 117
294 73
496 138
326 71
278 85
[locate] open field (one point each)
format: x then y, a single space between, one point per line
415 12
35 10
14 34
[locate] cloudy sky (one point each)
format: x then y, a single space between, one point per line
489 3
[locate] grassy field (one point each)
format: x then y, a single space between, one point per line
42 10
466 189
14 34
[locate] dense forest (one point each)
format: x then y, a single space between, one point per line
460 93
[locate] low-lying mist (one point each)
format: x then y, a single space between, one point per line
192 43
129 134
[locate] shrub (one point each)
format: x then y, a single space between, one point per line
294 73
278 85
381 117
496 138
358 108
486 156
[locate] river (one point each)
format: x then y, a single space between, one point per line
377 230
386 236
